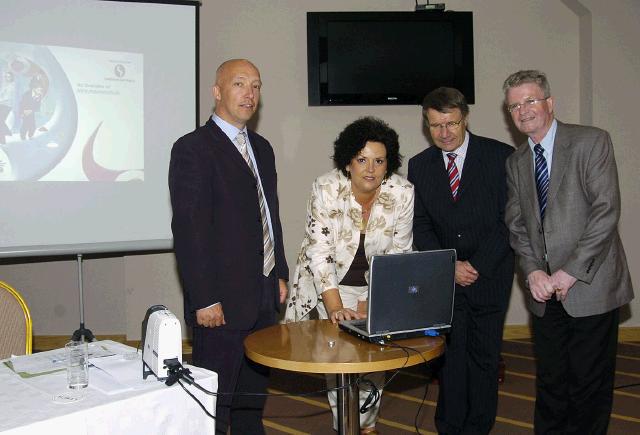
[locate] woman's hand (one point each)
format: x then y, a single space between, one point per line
335 310
363 306
345 314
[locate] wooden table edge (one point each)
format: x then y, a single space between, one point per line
345 367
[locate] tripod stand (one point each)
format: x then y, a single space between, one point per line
82 333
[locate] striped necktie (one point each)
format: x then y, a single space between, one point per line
454 175
542 179
269 254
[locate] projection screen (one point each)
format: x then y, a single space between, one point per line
92 96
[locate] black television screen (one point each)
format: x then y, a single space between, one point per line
370 58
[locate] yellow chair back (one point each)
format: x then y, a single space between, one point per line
16 328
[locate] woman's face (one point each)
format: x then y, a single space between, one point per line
368 168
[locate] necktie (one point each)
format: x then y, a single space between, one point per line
542 179
269 254
454 175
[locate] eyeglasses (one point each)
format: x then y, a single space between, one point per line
448 125
526 103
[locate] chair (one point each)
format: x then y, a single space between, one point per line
15 323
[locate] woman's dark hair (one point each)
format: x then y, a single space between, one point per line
355 136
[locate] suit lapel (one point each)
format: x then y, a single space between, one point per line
226 149
440 176
525 167
256 152
472 166
561 153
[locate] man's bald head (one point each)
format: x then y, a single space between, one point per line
227 66
237 91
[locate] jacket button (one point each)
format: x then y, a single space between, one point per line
459 235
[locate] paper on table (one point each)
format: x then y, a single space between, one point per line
39 362
126 371
104 382
45 362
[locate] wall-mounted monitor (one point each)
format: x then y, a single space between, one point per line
374 58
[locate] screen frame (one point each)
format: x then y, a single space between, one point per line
317 46
129 244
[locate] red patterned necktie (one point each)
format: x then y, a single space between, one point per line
454 175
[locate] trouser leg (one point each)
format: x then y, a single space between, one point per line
451 410
485 325
592 351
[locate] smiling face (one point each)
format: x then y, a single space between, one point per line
368 168
448 129
535 119
237 92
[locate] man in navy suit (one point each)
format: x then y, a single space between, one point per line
460 187
228 242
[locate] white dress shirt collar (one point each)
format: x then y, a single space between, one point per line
461 153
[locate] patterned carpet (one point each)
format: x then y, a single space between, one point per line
402 398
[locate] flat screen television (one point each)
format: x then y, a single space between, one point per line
376 58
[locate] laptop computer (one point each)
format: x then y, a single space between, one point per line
410 295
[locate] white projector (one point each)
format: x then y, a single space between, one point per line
161 342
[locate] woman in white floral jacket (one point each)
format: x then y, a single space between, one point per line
361 208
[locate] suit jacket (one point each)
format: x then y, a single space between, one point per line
217 227
332 235
580 224
474 224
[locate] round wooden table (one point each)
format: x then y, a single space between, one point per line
318 346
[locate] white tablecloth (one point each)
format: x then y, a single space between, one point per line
27 407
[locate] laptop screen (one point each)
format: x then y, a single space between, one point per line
411 291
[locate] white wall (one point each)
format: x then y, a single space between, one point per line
509 35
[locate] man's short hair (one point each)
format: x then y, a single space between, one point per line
444 100
527 76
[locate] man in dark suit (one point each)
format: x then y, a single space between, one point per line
228 242
461 192
563 212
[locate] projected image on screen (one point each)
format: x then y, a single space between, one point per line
70 114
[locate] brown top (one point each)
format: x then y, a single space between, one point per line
305 347
359 265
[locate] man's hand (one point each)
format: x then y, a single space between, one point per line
540 285
210 317
562 282
466 274
283 290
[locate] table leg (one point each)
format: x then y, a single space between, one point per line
348 412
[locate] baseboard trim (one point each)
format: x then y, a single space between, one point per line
511 332
48 342
520 332
516 332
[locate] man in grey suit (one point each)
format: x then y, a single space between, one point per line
562 211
